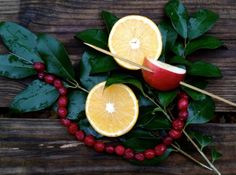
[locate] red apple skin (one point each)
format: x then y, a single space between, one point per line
160 78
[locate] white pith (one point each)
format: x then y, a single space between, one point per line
134 43
168 67
110 108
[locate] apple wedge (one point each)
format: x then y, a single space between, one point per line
164 76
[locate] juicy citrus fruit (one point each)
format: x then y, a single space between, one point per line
134 38
112 111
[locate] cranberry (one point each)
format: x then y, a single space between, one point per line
99 146
160 149
129 153
73 128
175 134
183 104
62 112
110 149
41 75
120 150
89 140
139 156
57 83
183 95
62 91
62 101
149 154
168 140
183 115
178 124
49 78
80 135
65 122
39 67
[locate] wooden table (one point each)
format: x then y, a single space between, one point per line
35 145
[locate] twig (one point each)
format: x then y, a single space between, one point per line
76 85
190 157
207 93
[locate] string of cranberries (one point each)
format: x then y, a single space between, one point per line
120 150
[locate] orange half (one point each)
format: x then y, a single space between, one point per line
112 111
135 38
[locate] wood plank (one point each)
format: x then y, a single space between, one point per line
64 18
35 146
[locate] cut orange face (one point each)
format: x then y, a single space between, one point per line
112 111
135 38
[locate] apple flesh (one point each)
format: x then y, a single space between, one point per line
164 76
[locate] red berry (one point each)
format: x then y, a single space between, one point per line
80 135
129 153
175 134
168 140
110 149
57 83
89 140
183 104
65 122
183 95
139 156
49 78
99 146
149 154
62 112
120 150
62 101
178 124
183 115
39 67
73 128
41 75
160 149
62 91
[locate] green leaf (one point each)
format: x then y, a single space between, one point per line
101 63
201 111
204 42
139 133
126 79
12 67
158 122
179 60
165 98
20 41
55 56
140 144
203 69
87 128
178 15
178 49
109 19
143 101
194 94
37 96
76 104
95 37
202 140
201 22
168 35
87 80
155 161
215 155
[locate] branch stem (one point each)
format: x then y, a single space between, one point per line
190 157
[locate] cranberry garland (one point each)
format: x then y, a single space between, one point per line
98 145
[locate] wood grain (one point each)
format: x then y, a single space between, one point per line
64 18
35 146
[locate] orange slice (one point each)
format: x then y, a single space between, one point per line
134 38
112 111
